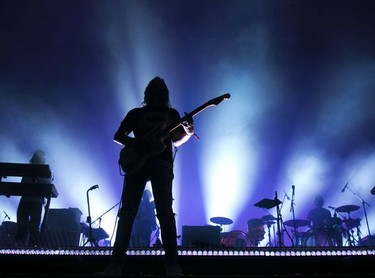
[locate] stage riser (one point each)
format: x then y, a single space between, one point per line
193 265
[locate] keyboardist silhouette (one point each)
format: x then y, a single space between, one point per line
29 211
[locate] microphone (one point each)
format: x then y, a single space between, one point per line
332 207
286 195
94 187
293 187
343 190
6 215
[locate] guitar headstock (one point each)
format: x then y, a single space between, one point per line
218 100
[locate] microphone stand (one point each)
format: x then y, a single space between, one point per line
100 217
91 239
278 220
294 218
364 209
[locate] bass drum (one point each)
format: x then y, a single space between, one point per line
316 237
235 238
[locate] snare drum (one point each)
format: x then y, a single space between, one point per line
235 239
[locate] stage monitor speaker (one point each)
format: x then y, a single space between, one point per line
200 236
63 228
8 231
368 241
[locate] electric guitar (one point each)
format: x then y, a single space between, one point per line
132 159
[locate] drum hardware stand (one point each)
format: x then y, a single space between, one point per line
271 203
269 235
278 220
294 218
337 238
351 239
91 239
284 229
359 233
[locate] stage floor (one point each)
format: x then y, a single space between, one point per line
229 262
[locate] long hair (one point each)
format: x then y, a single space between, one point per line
157 88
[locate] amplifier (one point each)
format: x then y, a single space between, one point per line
200 236
63 228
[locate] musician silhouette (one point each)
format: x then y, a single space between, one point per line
144 223
319 216
29 211
153 143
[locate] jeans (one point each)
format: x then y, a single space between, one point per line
28 221
160 174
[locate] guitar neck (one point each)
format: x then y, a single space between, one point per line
189 116
212 102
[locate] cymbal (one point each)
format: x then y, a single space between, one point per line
268 218
268 203
297 222
269 222
347 208
221 220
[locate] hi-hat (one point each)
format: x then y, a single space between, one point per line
347 208
297 223
221 220
268 217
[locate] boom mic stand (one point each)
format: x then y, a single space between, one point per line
91 239
105 213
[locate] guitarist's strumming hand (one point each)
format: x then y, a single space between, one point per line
188 124
182 133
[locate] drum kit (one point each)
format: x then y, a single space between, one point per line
332 234
333 231
237 238
234 238
349 225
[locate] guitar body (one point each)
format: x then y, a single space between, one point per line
133 157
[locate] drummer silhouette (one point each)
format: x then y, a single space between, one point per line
319 216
